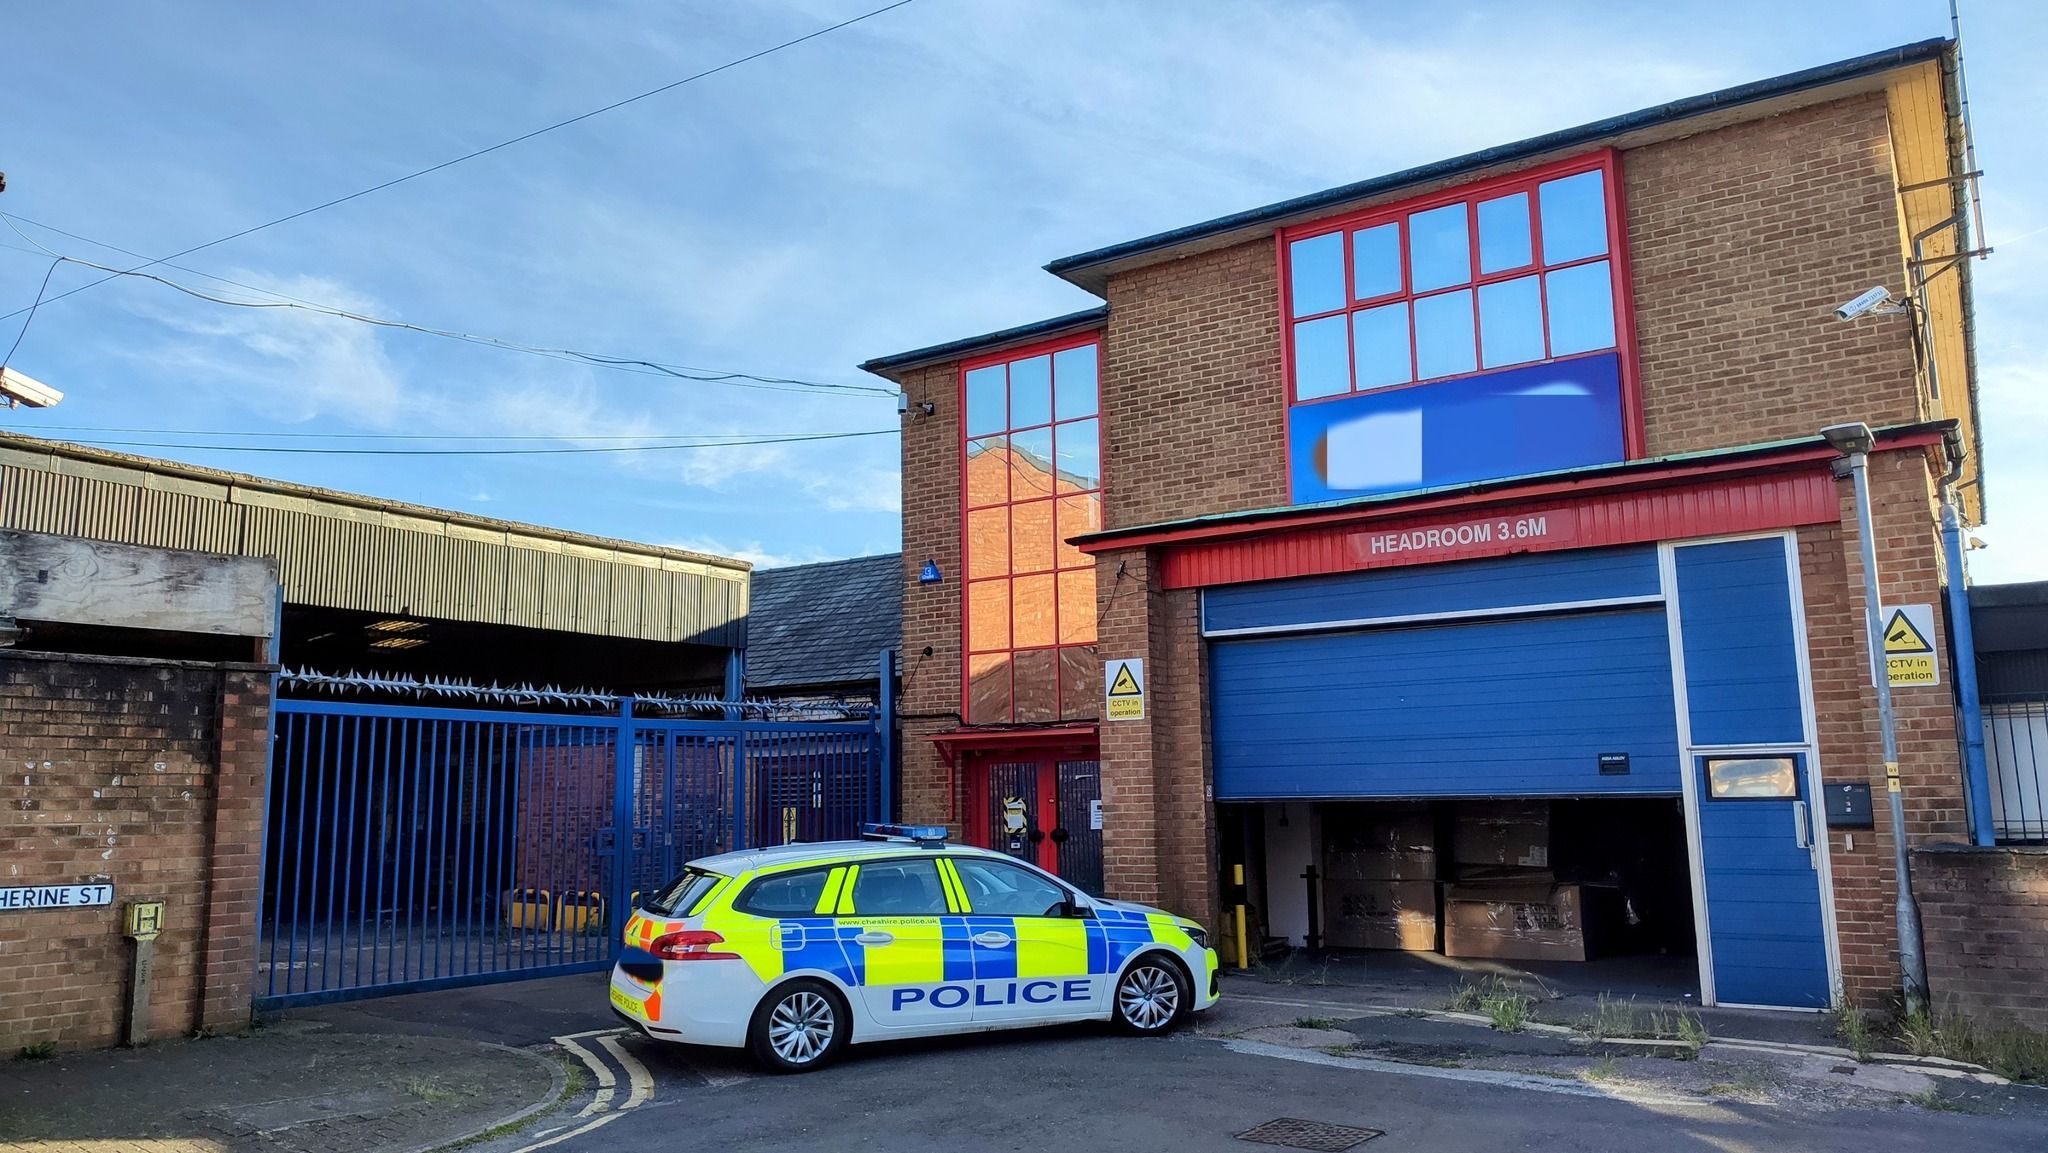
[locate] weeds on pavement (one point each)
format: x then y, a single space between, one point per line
1693 1032
1934 1102
40 1051
1853 1027
1318 1023
2014 1053
428 1091
1603 1070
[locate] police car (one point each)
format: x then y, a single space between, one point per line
797 951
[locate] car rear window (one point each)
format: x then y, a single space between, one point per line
680 897
792 894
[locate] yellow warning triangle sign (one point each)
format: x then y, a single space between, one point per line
1125 685
1902 637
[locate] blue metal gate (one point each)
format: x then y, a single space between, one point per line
412 847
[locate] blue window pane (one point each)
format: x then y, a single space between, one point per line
1030 392
1439 248
1511 322
1443 335
1316 271
1376 261
1031 464
1574 217
1581 308
1380 336
987 409
1080 450
1073 382
1504 233
1322 362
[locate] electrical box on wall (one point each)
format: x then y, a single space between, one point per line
1848 804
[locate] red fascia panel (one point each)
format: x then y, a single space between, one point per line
954 742
1715 508
1282 520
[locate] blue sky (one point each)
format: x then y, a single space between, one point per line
888 186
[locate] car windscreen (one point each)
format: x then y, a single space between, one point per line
681 895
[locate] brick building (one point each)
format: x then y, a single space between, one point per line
1473 531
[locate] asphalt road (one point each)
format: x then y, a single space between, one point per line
1087 1089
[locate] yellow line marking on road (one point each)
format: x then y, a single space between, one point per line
603 1072
576 1132
641 1081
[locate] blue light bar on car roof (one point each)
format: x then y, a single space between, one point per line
920 834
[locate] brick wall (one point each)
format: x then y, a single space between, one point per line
1985 916
1831 573
148 775
930 698
1742 242
1193 411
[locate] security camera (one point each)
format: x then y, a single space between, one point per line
19 388
1864 303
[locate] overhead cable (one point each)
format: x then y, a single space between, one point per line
450 163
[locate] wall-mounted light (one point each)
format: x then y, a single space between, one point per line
394 626
930 574
399 642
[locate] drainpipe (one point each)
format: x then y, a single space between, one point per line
1976 774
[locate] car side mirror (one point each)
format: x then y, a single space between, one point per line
1072 908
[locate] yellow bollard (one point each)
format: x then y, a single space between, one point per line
1243 953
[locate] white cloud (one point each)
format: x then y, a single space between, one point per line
752 551
286 364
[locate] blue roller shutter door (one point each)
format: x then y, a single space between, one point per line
1514 707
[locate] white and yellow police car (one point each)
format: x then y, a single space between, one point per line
797 951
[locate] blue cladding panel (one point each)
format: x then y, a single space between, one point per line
1763 902
1519 707
1741 670
1508 422
1503 582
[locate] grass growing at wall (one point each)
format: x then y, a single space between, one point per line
2020 1054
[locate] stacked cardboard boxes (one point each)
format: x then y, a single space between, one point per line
1505 902
1380 886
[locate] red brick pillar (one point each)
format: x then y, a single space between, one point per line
1930 765
235 850
1159 831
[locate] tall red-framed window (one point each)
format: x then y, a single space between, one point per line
1486 278
1031 479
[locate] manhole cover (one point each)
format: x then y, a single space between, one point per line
1296 1133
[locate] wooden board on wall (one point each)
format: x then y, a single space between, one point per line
69 580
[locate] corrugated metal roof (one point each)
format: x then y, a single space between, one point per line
824 624
351 551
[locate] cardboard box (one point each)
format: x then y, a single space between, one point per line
1377 842
1380 915
1514 834
1515 921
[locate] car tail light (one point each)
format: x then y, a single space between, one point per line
691 945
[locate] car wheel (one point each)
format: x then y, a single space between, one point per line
1152 996
799 1027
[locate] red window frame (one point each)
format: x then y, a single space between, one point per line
1607 161
1061 707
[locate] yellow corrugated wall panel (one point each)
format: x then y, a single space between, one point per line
1923 151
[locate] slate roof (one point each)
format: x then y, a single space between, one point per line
824 624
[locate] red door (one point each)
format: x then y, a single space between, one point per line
1018 809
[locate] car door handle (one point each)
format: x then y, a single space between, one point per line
992 939
874 937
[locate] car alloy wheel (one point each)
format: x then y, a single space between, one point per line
800 1027
1149 998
